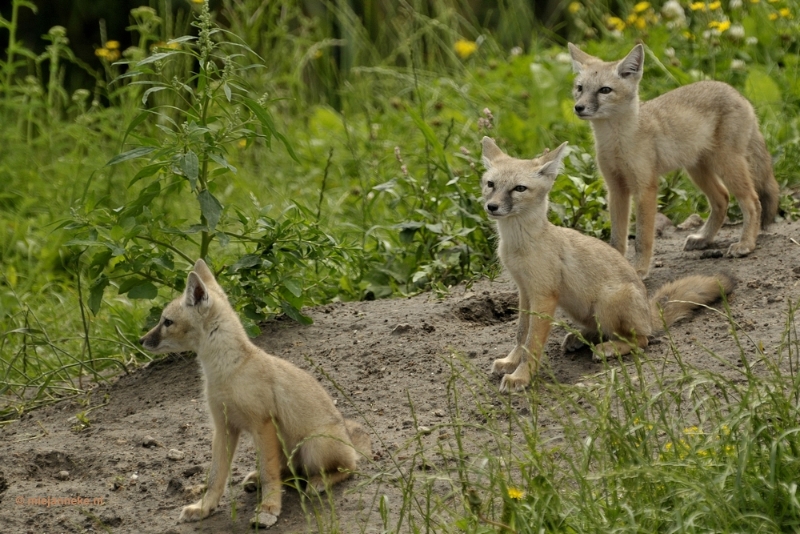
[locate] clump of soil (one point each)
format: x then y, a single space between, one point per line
386 363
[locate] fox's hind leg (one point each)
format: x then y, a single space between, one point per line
736 173
704 177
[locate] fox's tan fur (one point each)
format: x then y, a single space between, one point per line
707 128
560 267
284 409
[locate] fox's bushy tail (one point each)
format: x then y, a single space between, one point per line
675 300
767 188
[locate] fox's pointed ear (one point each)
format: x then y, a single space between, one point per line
205 273
196 293
632 65
491 152
553 165
579 57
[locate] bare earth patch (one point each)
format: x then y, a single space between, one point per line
387 363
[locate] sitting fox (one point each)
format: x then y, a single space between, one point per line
554 266
707 128
287 412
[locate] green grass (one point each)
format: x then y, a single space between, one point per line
335 156
643 446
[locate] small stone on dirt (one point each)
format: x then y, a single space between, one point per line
174 486
175 454
692 221
402 328
149 441
706 254
263 520
62 475
192 470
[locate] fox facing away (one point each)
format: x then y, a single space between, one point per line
287 412
707 128
560 267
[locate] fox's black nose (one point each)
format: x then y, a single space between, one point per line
579 108
492 207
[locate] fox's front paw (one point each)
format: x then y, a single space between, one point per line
263 520
737 250
695 242
511 383
502 366
571 343
194 512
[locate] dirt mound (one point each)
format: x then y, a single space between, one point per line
386 363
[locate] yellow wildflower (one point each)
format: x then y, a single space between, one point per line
515 493
697 6
773 16
197 1
687 35
631 18
785 13
640 23
574 7
724 25
692 431
465 48
714 5
112 45
615 23
755 1
641 6
242 143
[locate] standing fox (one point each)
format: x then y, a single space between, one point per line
554 266
707 128
286 411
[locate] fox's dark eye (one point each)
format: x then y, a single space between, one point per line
604 90
579 88
490 184
520 188
167 323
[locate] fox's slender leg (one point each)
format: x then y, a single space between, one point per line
508 364
543 309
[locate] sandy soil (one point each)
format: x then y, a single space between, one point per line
387 363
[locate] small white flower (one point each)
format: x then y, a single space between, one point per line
735 4
669 52
516 51
672 10
563 57
738 64
751 41
736 32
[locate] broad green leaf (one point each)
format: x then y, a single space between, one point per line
151 91
294 287
210 208
145 290
189 165
245 262
130 154
295 314
146 172
96 293
267 123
